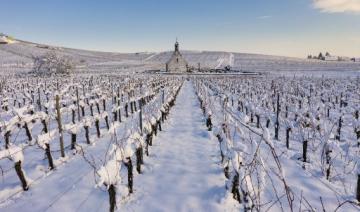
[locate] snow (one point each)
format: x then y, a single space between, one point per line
46 138
236 160
113 128
220 63
182 173
304 181
13 152
267 138
72 128
73 180
42 115
129 149
108 174
3 39
87 121
16 58
147 127
137 139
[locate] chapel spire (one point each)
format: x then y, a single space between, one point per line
176 45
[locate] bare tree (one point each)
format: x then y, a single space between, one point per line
52 63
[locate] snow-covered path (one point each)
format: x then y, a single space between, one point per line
182 172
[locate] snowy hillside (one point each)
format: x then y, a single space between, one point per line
18 57
21 53
256 62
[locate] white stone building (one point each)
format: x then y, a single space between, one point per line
3 39
177 63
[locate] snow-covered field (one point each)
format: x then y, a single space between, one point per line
112 137
297 139
175 143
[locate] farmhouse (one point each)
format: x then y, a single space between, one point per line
177 63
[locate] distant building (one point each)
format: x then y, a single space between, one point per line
3 39
331 58
177 63
347 59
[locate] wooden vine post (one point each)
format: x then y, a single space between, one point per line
162 95
112 197
39 98
77 102
140 118
358 188
21 175
277 118
58 115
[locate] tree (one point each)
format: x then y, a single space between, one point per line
51 63
321 57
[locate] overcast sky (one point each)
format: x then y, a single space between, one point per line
279 27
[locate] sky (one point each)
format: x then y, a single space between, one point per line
275 27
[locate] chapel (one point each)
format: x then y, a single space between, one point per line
177 63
